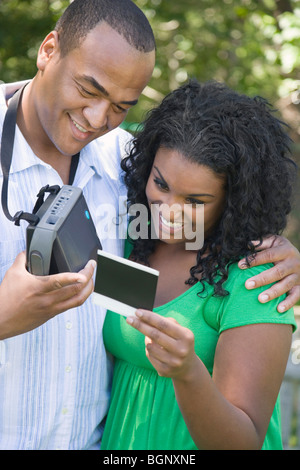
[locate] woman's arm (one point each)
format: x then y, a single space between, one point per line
232 409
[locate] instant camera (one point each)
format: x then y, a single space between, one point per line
65 238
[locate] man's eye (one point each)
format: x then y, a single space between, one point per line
119 109
85 92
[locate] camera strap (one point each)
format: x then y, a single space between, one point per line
7 145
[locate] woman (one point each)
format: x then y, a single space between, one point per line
203 370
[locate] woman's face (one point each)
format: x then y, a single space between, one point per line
179 191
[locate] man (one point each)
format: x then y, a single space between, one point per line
54 374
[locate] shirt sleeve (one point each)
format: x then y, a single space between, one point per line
242 307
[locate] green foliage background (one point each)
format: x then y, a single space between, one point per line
253 46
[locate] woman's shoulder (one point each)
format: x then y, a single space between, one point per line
241 306
238 276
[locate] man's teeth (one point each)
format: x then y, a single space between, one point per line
81 129
169 223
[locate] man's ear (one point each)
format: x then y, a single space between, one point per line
48 50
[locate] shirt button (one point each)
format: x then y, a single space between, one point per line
69 325
68 368
64 411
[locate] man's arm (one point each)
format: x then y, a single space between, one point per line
285 273
28 301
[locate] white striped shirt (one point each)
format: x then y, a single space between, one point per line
55 380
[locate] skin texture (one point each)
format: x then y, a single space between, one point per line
94 85
231 409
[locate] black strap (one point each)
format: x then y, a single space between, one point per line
7 145
74 165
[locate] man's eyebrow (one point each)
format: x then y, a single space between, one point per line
95 84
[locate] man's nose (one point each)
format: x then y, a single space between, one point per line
96 114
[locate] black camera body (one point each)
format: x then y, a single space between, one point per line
65 238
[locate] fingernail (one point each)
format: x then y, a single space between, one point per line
139 313
129 320
281 308
264 298
242 265
250 284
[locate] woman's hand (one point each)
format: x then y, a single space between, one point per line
285 273
169 346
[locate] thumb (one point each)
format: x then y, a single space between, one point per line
20 260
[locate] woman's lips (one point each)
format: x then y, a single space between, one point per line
173 225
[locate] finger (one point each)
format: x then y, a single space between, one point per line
20 260
159 329
267 242
164 361
276 273
151 332
67 297
89 268
169 326
56 282
269 255
161 367
290 301
156 351
272 248
278 289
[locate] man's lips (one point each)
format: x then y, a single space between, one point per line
79 127
82 133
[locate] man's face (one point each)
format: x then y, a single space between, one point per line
88 92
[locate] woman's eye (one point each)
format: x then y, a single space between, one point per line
194 201
160 184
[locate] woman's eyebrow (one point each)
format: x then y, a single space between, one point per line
199 195
95 84
189 195
161 176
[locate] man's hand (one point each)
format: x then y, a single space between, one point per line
28 301
285 273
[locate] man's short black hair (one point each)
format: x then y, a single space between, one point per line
123 16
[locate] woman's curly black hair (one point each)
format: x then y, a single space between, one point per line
237 137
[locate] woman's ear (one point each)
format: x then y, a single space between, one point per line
48 49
